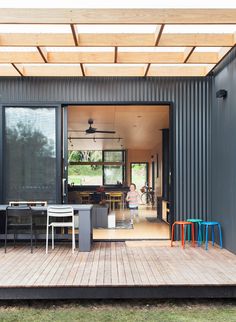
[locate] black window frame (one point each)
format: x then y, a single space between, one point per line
123 167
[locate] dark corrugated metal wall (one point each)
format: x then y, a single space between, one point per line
191 99
223 151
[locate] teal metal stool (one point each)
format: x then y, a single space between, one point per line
211 224
196 221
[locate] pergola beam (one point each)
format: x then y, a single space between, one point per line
118 40
115 16
109 57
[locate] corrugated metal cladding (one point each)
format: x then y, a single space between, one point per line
191 99
223 151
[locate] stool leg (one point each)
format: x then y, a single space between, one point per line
213 234
172 234
199 234
182 233
188 233
193 239
220 233
206 237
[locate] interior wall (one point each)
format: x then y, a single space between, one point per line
224 153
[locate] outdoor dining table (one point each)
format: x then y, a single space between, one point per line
85 223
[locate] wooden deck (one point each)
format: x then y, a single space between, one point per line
115 266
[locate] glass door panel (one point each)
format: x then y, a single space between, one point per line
31 171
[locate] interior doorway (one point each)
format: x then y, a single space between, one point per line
139 174
110 146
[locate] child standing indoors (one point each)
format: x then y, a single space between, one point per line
133 199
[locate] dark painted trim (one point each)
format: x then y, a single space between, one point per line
109 292
64 151
153 174
172 166
165 164
59 146
1 154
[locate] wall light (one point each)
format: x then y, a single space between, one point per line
221 93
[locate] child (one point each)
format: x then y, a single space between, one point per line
133 199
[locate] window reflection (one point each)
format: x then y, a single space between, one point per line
30 154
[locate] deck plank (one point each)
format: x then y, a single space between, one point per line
120 265
135 271
107 265
117 264
94 268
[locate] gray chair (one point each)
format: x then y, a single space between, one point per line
19 217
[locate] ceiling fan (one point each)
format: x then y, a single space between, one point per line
92 130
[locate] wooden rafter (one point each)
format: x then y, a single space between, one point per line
43 53
80 57
120 62
115 55
74 33
196 40
36 39
158 34
82 69
116 16
150 57
20 57
119 40
188 52
147 70
18 70
182 70
49 70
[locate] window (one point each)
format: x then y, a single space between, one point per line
113 173
85 174
30 153
96 167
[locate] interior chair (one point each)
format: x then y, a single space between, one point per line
84 197
116 199
18 218
58 213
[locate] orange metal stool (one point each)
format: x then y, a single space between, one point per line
182 225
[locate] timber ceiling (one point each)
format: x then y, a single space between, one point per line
114 42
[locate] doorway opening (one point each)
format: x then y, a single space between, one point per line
109 147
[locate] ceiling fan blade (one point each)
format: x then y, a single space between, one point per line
111 132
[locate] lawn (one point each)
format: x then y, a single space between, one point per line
176 311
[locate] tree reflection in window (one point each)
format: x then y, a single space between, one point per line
30 154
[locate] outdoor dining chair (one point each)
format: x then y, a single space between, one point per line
60 212
18 218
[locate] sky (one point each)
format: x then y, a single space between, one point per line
117 4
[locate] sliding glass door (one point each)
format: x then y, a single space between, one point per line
32 154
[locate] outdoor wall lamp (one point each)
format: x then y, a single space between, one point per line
221 93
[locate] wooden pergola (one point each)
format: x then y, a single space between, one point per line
114 42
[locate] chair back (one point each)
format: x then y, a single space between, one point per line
18 210
18 215
60 211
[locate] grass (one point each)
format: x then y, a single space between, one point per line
120 311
